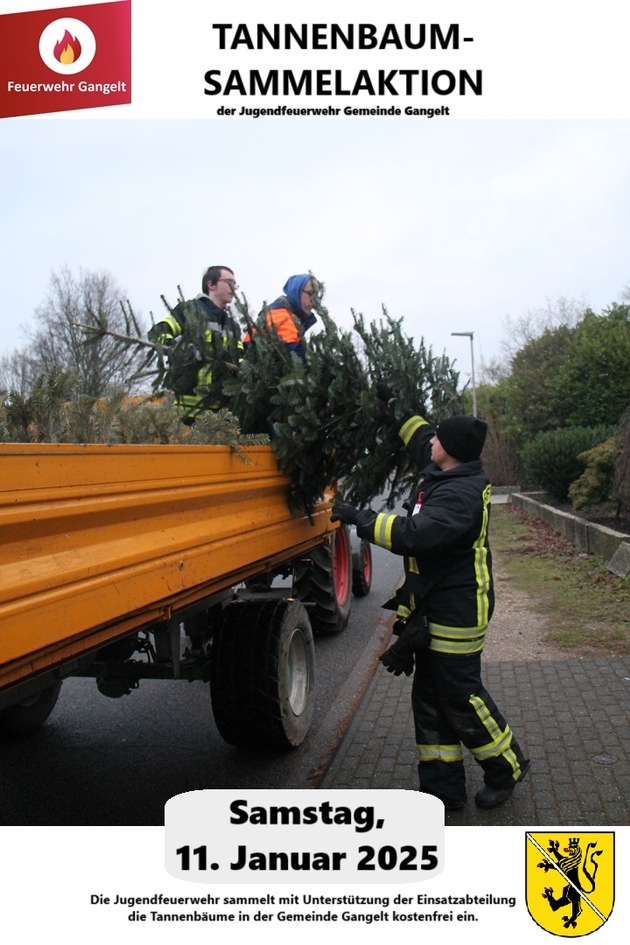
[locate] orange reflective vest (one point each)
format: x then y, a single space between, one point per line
289 328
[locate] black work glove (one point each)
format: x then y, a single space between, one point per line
388 397
345 513
397 662
190 353
399 658
349 515
384 392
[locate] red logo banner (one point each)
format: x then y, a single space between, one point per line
65 59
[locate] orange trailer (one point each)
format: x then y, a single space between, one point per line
127 562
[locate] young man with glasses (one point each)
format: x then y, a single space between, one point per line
190 373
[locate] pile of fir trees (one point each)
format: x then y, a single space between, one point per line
53 412
321 413
326 420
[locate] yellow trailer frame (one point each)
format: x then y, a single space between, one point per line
97 541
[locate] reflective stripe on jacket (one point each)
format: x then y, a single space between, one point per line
218 324
444 541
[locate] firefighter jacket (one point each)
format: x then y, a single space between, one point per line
192 378
290 327
444 541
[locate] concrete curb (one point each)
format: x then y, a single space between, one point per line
587 537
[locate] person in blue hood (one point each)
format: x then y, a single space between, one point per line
292 313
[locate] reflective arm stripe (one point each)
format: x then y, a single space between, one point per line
165 331
173 324
383 525
410 427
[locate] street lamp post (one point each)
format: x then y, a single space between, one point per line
470 334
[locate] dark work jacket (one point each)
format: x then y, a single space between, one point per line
444 540
219 322
195 379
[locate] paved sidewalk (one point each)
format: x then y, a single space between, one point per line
571 717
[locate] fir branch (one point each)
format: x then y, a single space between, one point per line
326 422
97 332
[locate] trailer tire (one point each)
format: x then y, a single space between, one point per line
324 583
262 674
27 716
362 569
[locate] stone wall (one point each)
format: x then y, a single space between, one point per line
613 547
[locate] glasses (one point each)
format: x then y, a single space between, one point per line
307 292
232 284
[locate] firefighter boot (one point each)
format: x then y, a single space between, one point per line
489 797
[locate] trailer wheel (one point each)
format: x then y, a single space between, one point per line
362 569
30 714
262 674
324 582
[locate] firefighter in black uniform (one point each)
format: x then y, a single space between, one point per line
444 607
191 375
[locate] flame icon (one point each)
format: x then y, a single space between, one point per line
68 49
67 46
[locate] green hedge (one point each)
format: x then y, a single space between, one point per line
550 460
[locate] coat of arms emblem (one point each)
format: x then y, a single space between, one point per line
570 881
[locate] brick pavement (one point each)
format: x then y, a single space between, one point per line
571 717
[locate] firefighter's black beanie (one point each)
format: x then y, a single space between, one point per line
462 437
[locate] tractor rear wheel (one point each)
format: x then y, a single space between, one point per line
30 714
262 674
362 569
323 583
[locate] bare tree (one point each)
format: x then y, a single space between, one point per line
16 372
91 299
531 324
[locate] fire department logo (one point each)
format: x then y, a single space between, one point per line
570 881
67 46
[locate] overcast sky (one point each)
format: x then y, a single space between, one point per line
453 225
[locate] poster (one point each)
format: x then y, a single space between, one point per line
456 166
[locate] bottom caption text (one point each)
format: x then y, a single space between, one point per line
303 908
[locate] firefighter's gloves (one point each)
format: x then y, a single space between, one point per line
191 353
387 396
345 513
349 515
397 662
400 657
384 392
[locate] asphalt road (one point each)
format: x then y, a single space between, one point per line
100 761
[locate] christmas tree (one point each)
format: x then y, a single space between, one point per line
321 413
327 423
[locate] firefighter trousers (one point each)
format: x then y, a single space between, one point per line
451 708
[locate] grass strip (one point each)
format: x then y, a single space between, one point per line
589 606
